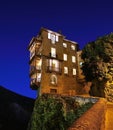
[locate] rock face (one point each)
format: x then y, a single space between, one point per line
15 110
109 91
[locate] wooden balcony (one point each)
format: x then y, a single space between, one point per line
36 56
34 69
35 84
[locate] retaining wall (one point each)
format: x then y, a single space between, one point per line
93 119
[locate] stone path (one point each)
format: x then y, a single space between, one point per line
109 117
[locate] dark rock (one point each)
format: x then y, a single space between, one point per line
15 110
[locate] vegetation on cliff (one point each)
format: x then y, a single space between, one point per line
55 112
98 65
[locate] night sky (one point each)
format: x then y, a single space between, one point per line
79 20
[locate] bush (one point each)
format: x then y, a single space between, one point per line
55 113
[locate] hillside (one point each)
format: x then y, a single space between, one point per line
15 110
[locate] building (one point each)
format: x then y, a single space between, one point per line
84 87
53 63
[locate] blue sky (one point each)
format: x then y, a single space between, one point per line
20 20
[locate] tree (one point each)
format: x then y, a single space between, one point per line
98 64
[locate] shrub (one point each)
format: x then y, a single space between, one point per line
55 113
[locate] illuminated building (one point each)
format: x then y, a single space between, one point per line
53 63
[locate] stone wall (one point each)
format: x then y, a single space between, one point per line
93 119
85 99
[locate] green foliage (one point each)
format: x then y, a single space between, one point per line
98 64
82 109
98 60
54 113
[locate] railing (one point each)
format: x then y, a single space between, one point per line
37 52
34 69
35 80
54 69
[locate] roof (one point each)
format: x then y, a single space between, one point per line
50 31
71 41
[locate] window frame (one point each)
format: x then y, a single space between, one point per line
53 52
64 45
73 47
66 71
65 57
73 59
74 71
53 37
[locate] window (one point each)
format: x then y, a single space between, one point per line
54 38
72 47
53 65
53 91
65 45
80 64
65 57
65 70
32 52
53 80
38 64
74 71
73 59
53 52
38 77
49 35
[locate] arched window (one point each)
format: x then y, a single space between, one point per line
53 80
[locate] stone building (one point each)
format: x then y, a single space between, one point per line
84 87
53 63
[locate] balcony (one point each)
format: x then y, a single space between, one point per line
54 69
35 83
35 69
34 54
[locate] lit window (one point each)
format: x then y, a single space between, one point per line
65 57
65 45
38 64
32 52
53 52
80 64
53 38
73 59
72 47
38 77
56 38
53 79
74 71
65 70
53 65
49 35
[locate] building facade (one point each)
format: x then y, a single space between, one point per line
53 63
84 87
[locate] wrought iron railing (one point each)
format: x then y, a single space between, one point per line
54 69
